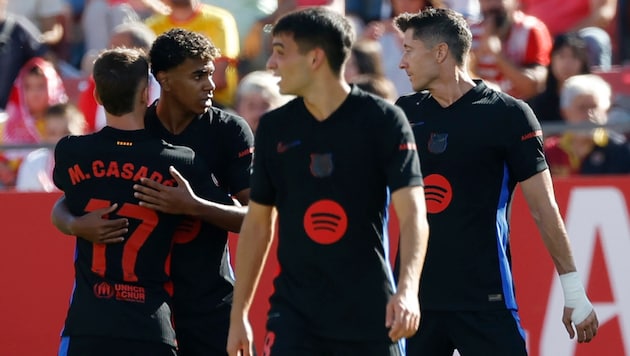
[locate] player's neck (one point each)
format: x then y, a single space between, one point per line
324 97
172 116
127 122
451 87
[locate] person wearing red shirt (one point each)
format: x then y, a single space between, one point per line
510 48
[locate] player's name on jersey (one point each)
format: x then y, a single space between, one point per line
115 169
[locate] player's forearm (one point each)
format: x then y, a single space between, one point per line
251 253
555 238
538 191
226 217
414 238
61 217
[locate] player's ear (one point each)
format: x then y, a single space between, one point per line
441 52
144 96
318 57
162 78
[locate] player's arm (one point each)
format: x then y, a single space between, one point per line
539 194
403 313
182 200
93 226
251 253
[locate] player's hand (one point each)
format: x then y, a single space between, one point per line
402 315
96 228
170 200
240 338
586 330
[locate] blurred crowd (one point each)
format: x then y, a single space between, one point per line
551 53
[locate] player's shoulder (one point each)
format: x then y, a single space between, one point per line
284 112
412 100
178 148
220 117
77 140
504 100
368 105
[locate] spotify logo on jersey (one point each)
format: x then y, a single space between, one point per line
325 222
437 192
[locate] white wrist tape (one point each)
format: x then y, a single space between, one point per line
575 297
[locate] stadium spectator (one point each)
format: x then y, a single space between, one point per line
257 42
7 174
258 93
20 41
99 19
511 49
468 8
35 172
48 15
390 39
129 35
246 13
220 27
328 158
586 99
593 19
377 85
365 11
476 145
37 86
365 68
366 57
569 57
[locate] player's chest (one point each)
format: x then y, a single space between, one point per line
457 141
324 153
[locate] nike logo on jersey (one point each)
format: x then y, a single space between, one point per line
283 147
419 123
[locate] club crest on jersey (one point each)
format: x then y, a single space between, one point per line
321 164
438 142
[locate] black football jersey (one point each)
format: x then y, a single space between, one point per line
473 154
330 182
122 290
201 271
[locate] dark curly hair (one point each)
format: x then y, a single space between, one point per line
173 47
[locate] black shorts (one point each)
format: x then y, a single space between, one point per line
288 336
472 333
108 346
203 334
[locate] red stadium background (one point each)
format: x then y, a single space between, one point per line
36 271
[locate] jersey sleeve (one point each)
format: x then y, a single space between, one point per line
399 153
203 183
240 143
61 167
525 153
263 191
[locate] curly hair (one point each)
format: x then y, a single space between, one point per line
173 47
